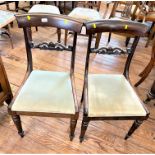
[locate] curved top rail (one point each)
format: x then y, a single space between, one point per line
53 20
119 26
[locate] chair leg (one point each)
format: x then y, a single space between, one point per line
84 126
73 123
59 35
135 125
127 41
9 35
36 28
65 40
109 38
98 37
17 122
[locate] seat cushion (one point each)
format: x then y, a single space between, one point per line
45 91
85 14
6 17
112 95
41 8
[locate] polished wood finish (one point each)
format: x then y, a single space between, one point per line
57 21
50 135
5 90
111 26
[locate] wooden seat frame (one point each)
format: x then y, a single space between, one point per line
27 21
134 28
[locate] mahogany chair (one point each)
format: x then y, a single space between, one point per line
46 93
86 11
42 8
5 90
111 96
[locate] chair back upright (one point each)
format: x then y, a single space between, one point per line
133 28
26 21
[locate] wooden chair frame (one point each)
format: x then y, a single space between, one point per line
50 20
5 90
134 28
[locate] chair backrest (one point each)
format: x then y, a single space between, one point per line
27 21
90 4
125 27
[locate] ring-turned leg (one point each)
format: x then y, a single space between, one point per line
17 122
73 123
135 125
84 126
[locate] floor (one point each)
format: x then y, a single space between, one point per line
50 135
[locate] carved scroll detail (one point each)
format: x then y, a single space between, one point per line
110 51
51 46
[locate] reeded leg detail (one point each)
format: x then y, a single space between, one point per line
17 122
135 125
84 126
73 123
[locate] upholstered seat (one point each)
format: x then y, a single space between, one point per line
41 8
85 14
123 100
6 18
46 91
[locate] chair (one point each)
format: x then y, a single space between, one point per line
146 13
88 12
5 90
110 96
46 93
41 8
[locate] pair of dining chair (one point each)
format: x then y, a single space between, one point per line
52 94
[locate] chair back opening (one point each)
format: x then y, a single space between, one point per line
135 29
27 21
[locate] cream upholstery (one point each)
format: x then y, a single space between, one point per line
46 91
112 95
6 17
41 8
85 13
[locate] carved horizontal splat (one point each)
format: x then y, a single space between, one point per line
51 46
111 51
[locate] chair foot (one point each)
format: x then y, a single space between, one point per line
81 139
73 123
71 137
21 134
135 125
17 122
84 126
